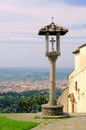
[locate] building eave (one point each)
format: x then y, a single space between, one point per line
76 51
82 45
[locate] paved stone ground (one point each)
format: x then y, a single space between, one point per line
75 122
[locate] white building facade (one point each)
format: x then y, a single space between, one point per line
77 82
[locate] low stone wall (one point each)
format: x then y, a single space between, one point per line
63 99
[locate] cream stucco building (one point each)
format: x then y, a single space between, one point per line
75 100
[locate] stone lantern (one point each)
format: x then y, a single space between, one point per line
52 34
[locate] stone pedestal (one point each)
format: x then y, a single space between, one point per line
52 110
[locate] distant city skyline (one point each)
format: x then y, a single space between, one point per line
20 21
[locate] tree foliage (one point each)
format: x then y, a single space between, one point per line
29 101
31 104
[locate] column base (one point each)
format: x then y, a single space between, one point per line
52 110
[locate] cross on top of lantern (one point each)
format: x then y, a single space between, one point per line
52 31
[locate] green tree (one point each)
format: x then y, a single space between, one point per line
31 104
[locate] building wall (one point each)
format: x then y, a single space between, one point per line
83 57
77 62
77 83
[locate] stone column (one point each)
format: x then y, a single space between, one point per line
52 109
52 96
58 43
47 44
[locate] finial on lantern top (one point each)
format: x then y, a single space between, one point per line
52 19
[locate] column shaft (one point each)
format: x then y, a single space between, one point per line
58 43
47 44
52 98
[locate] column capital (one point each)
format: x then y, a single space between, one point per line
52 56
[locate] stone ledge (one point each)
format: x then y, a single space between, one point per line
54 106
64 115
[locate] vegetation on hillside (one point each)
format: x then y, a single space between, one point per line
29 101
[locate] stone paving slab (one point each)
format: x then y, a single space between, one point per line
75 122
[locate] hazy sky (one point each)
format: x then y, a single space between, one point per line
20 21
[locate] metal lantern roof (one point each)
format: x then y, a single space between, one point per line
52 29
